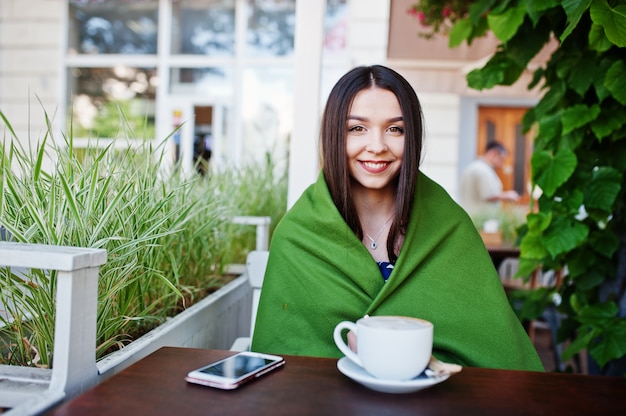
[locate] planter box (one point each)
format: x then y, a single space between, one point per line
215 322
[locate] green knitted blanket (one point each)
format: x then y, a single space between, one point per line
319 274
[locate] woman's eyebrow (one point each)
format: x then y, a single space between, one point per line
359 118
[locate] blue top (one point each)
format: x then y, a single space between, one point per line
385 268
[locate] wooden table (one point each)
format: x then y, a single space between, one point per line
307 385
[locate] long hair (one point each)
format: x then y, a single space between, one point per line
333 145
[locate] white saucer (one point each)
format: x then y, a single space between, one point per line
358 374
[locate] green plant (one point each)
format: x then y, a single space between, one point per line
510 218
255 189
579 160
117 119
438 16
167 237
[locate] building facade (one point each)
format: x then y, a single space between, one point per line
226 76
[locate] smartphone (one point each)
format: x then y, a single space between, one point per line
233 371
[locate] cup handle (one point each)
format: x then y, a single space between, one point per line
343 347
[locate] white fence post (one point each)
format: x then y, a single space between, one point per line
262 229
27 390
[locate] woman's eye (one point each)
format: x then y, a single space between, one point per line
356 129
396 130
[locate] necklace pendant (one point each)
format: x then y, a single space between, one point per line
373 245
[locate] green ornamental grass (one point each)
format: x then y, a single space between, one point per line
168 238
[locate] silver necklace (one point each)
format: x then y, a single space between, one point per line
373 243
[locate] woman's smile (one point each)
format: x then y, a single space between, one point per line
374 166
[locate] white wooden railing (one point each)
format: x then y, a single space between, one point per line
215 322
262 229
27 390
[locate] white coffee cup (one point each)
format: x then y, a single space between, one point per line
389 347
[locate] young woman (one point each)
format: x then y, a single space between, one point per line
375 236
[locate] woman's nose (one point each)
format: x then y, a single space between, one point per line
376 143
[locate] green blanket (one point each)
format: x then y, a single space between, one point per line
319 274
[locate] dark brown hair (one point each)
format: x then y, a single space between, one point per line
333 145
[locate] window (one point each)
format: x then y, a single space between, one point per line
203 27
113 27
127 62
271 27
112 102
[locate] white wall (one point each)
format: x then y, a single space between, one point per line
440 155
30 61
368 31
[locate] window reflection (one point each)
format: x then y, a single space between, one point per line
113 27
203 27
214 82
112 102
271 27
335 26
267 111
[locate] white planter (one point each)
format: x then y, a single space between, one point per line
214 322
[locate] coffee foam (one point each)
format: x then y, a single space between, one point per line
394 322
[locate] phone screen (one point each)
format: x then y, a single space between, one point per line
236 366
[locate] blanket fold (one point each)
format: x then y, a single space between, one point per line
319 274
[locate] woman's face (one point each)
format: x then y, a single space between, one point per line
375 138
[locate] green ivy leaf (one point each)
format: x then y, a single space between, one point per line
537 78
600 315
579 79
535 7
538 222
605 244
590 279
553 170
505 25
533 248
597 39
534 302
578 116
578 263
613 343
600 76
612 20
606 123
580 343
552 97
512 73
576 303
492 74
564 65
541 161
460 32
478 9
601 321
550 127
527 265
527 43
572 201
615 81
603 189
574 10
564 235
